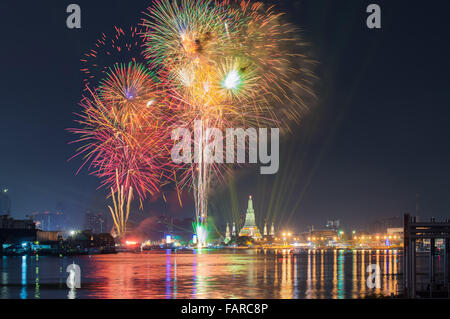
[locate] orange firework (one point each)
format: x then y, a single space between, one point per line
224 63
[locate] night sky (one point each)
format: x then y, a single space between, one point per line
377 137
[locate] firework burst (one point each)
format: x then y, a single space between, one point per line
231 64
183 32
221 63
133 143
117 47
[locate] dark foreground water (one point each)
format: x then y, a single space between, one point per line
206 274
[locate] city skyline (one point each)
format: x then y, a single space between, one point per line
57 221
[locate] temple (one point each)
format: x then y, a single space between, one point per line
227 234
250 229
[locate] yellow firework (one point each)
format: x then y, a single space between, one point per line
121 210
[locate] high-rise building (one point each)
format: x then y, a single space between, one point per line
7 222
49 221
333 223
95 223
250 229
5 202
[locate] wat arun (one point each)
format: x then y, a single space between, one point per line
250 229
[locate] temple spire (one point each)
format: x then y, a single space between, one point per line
227 233
250 229
250 203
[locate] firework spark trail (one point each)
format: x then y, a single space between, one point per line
117 47
120 217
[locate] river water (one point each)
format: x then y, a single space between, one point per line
206 274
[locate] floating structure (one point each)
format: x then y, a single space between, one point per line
430 230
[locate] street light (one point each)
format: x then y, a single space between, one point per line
285 235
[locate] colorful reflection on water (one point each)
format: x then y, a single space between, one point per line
203 274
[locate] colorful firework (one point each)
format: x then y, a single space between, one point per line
129 139
223 63
231 64
133 97
182 32
276 54
118 47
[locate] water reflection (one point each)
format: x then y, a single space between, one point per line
4 289
286 287
335 279
206 274
36 283
23 292
168 275
341 283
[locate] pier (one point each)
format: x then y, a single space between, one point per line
431 231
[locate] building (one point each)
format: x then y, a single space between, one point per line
95 223
250 229
13 231
48 221
47 236
395 231
7 222
269 236
324 237
5 202
87 241
378 240
333 224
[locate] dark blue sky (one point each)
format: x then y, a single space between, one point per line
378 136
